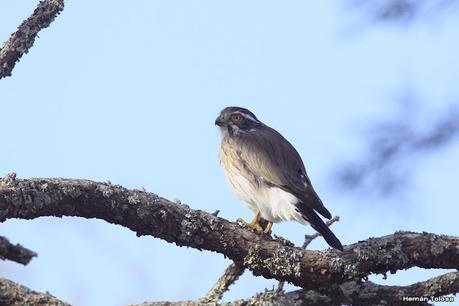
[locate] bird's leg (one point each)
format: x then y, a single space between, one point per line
254 224
267 229
256 220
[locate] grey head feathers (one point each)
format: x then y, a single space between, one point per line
235 120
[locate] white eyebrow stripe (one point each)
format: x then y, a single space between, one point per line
247 116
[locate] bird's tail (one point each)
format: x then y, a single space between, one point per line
316 222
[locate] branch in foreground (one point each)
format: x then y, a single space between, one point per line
22 40
357 293
307 240
14 294
231 275
148 214
16 253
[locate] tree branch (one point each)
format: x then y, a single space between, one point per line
148 214
16 253
14 294
231 274
394 143
309 238
356 293
22 40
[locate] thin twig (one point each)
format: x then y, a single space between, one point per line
14 252
280 286
309 238
231 274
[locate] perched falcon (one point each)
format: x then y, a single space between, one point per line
266 172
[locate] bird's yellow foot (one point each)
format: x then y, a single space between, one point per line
267 229
253 225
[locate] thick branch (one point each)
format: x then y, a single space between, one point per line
17 295
307 240
148 214
16 253
22 40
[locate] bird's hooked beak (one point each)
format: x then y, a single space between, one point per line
220 121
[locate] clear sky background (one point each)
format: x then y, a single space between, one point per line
129 91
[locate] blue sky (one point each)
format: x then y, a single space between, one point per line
128 92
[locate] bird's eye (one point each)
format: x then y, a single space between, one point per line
236 118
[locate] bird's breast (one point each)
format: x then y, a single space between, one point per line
273 203
239 179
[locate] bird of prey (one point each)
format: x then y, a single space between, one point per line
266 172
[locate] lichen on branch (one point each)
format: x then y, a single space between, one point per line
148 214
23 39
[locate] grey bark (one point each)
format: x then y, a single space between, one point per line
350 293
14 294
148 214
15 252
365 293
22 40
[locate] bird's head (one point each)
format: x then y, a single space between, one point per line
234 120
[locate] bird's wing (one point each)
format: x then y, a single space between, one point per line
273 160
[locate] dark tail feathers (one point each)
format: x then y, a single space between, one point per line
316 222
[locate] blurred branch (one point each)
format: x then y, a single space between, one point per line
402 10
14 294
384 169
16 252
148 214
22 40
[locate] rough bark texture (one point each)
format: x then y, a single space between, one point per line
365 293
22 40
357 293
235 270
16 253
148 214
17 295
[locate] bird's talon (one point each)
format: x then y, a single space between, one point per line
253 153
242 222
267 230
255 226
